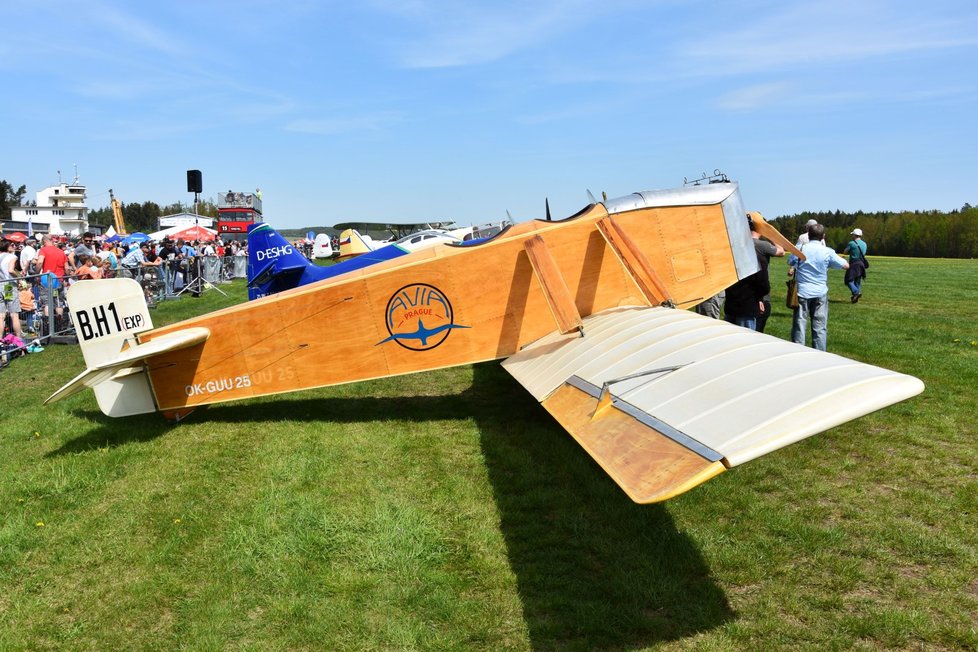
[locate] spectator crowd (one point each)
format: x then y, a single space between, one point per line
34 275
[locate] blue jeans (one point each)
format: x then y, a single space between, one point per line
817 309
746 322
855 286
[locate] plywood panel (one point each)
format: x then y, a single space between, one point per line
646 464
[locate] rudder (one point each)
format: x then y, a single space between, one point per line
274 265
108 313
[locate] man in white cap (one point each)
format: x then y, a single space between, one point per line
857 264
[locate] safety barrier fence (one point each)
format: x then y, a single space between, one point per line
173 278
49 321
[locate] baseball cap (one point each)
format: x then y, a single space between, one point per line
858 232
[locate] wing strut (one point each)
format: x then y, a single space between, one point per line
555 289
773 234
635 262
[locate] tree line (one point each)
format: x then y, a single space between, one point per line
9 197
920 234
145 217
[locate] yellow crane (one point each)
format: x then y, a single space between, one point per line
120 225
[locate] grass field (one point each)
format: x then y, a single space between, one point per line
448 511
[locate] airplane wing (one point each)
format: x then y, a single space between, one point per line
666 399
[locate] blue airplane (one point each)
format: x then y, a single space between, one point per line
274 265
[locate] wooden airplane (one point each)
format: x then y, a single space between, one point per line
586 311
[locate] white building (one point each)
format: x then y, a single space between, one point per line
57 209
185 219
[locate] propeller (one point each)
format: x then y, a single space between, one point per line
547 203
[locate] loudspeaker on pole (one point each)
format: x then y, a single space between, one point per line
194 181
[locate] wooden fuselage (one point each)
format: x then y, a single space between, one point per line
439 307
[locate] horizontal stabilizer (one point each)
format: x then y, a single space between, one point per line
130 360
664 399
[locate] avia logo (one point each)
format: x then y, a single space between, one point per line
273 252
419 317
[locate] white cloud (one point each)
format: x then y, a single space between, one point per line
814 33
458 34
782 94
343 124
143 130
754 96
126 27
565 112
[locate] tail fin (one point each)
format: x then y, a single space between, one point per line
108 313
322 246
353 244
274 265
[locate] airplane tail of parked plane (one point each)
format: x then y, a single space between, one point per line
108 315
354 244
275 265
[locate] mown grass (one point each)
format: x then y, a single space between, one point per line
448 511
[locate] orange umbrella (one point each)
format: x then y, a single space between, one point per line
194 233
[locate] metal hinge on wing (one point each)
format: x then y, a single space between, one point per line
606 399
603 394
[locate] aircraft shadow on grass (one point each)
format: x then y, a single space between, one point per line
593 569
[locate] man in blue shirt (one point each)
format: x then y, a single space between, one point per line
137 256
812 276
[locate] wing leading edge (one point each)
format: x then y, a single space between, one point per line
666 399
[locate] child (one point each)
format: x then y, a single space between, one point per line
87 267
27 307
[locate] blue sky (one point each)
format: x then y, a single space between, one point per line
418 109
